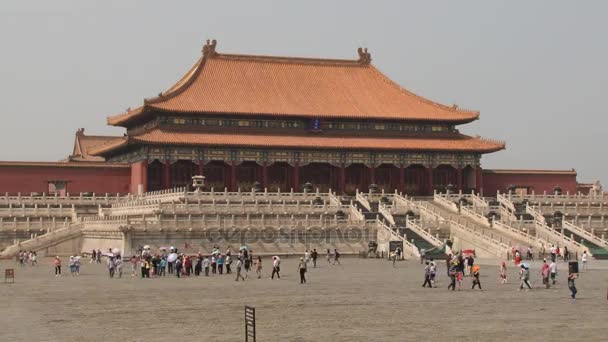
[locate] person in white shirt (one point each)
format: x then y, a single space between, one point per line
584 259
553 271
276 267
553 250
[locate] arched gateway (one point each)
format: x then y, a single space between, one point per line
241 120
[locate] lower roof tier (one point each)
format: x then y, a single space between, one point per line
164 136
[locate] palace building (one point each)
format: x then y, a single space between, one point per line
246 121
285 121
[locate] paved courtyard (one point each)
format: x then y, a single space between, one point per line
361 300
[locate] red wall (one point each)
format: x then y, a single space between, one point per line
139 175
33 178
539 181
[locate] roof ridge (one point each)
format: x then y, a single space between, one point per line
454 107
290 59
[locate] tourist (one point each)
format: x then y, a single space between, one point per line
517 259
393 257
247 263
258 267
276 267
328 256
566 254
307 256
228 264
57 264
199 264
213 264
314 258
111 266
302 268
162 265
475 269
452 271
422 255
77 265
558 252
118 266
544 272
470 263
460 269
553 271
206 263
93 256
524 275
34 259
552 251
239 267
584 260
448 263
427 275
188 265
142 265
250 261
398 253
220 264
71 265
572 285
133 265
178 266
170 267
98 255
336 257
433 271
530 256
503 272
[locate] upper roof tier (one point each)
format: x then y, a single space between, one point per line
293 87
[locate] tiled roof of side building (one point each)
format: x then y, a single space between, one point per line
83 143
290 86
459 143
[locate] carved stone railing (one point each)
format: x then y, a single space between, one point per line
547 198
444 202
492 245
519 234
360 197
36 211
68 200
386 214
474 216
555 237
535 214
408 247
43 241
253 195
416 228
585 234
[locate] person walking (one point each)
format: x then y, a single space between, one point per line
133 266
98 255
584 260
206 263
314 256
422 255
213 264
57 264
433 270
452 271
34 259
178 267
503 272
476 281
572 285
111 266
162 266
239 267
228 264
336 257
544 272
427 275
302 269
93 256
276 267
553 272
524 275
329 256
220 264
117 266
258 267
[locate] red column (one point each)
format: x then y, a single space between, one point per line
372 174
342 179
429 173
479 180
459 178
296 176
401 178
233 183
144 175
166 175
265 175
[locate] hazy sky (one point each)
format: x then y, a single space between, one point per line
535 69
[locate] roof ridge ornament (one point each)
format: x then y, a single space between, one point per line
209 48
364 56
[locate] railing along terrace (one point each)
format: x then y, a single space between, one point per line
590 236
416 227
36 210
547 197
253 195
360 197
575 208
557 238
500 248
519 234
42 241
56 199
40 224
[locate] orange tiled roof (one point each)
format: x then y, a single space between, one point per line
286 86
459 143
83 143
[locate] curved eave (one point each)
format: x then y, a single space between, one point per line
109 147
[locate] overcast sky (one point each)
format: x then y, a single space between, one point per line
535 69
